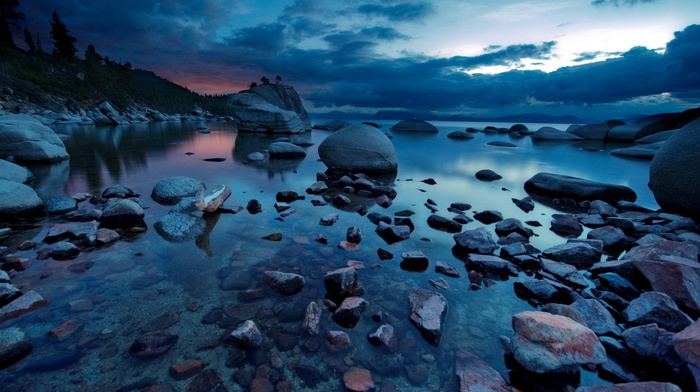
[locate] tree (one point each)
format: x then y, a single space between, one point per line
278 79
9 17
253 84
63 42
265 80
29 40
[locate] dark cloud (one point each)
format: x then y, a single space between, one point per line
617 3
587 56
265 39
411 11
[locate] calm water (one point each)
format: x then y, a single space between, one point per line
132 282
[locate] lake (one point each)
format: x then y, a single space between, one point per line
200 285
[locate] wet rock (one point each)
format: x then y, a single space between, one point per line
8 292
653 344
556 185
384 254
60 205
349 311
619 285
65 330
28 140
438 222
414 261
487 175
205 381
153 344
341 282
526 204
475 241
104 236
340 201
579 255
19 200
186 369
122 214
283 282
393 233
658 308
545 343
337 340
177 227
173 189
329 220
597 317
247 335
439 283
255 157
539 291
22 305
119 191
383 335
460 135
56 361
491 265
614 239
312 319
317 188
414 125
564 272
376 217
354 235
237 280
551 134
427 313
254 207
358 380
62 231
475 375
161 322
566 226
512 225
15 344
500 143
310 375
446 269
678 278
686 343
321 238
81 305
64 251
488 217
275 237
359 148
287 196
461 206
383 201
647 386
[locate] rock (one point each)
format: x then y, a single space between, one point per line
566 226
247 335
28 140
550 134
489 216
383 201
393 233
359 148
353 235
8 292
487 175
383 335
580 255
512 225
644 126
61 204
252 113
119 191
112 114
376 217
460 135
254 206
71 231
499 143
153 344
475 375
590 131
285 150
414 261
65 330
475 241
671 176
64 251
15 344
446 269
557 185
334 125
647 386
526 204
255 157
341 282
686 343
597 317
413 125
545 343
22 305
177 227
12 172
645 151
122 214
427 313
312 319
349 311
658 308
173 189
438 222
310 375
186 369
338 340
564 272
490 265
652 344
283 282
540 291
358 380
19 200
317 188
656 137
284 97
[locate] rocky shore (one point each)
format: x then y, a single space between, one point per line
622 300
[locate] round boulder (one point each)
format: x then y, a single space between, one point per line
171 190
359 148
15 344
123 213
285 150
61 204
13 172
28 140
414 125
674 176
19 200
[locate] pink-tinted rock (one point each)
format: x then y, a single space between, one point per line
348 313
546 343
22 305
186 369
66 330
153 344
312 319
337 340
475 375
247 335
687 344
678 278
428 311
384 335
358 380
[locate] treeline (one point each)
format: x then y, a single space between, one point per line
41 78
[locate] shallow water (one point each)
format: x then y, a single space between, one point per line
136 280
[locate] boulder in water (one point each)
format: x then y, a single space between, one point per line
557 185
414 125
359 148
28 140
18 200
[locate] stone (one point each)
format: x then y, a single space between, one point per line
186 369
545 343
658 308
566 226
376 217
393 233
490 265
70 231
64 250
13 172
349 311
383 201
446 269
254 206
163 321
475 241
487 175
15 344
597 131
652 344
317 188
247 335
672 176
488 217
27 140
358 148
564 272
66 330
438 222
122 214
526 204
255 157
284 150
686 343
460 135
580 255
283 282
173 189
646 386
614 239
312 319
475 375
60 205
414 261
642 127
153 344
414 125
383 335
358 380
550 134
19 200
341 282
104 236
427 313
619 285
334 125
597 317
8 292
512 225
253 113
353 234
338 340
557 185
119 191
22 305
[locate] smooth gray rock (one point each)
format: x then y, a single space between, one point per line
359 148
252 113
475 241
590 131
19 200
255 157
414 125
487 175
13 172
283 282
285 97
557 185
645 151
179 227
15 344
428 312
119 191
334 125
460 135
580 255
674 175
61 204
171 190
645 126
553 134
285 150
122 214
64 250
247 335
28 140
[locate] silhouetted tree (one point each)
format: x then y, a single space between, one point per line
29 40
64 43
253 84
9 17
265 80
278 79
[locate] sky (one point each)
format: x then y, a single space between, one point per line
589 58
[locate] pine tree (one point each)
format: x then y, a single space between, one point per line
29 40
9 17
64 43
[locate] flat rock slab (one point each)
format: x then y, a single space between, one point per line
428 311
283 282
475 375
26 303
557 185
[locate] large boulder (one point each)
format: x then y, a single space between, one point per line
15 344
590 131
475 375
28 140
414 125
557 185
674 175
359 148
553 134
645 126
179 227
123 213
284 97
253 113
428 311
546 343
12 172
173 189
18 200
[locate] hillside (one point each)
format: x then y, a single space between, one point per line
41 81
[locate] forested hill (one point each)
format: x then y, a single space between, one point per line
39 80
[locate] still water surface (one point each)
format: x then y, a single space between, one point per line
133 282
